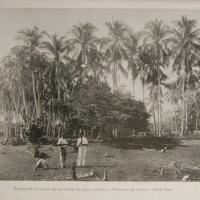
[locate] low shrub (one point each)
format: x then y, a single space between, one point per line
149 142
15 141
34 134
53 141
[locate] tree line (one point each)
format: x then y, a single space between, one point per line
63 80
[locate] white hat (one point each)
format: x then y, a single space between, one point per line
62 141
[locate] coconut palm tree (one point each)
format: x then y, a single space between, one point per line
30 47
151 80
97 67
153 99
57 48
114 49
172 95
83 42
146 58
156 36
185 43
132 50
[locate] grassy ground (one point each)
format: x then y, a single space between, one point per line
17 163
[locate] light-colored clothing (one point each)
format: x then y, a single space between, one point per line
82 150
82 141
62 143
42 163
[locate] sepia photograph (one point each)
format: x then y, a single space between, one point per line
100 94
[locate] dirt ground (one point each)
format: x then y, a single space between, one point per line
17 163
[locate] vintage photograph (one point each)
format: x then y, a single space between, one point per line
99 94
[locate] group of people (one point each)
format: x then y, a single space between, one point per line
82 143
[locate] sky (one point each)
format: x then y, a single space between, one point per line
60 21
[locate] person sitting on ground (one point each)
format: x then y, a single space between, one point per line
42 163
38 154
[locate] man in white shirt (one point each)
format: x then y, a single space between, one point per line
82 150
62 144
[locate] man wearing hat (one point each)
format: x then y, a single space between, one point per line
82 150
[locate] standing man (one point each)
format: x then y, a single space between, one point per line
62 143
82 150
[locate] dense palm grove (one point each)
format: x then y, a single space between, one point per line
60 84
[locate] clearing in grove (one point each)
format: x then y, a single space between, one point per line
17 163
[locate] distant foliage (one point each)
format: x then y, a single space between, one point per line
15 141
34 133
151 142
93 105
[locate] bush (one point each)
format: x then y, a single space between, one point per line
150 142
43 140
53 141
15 141
34 134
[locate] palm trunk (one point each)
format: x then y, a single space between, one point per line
34 92
14 100
154 113
171 126
5 118
197 117
154 119
158 119
143 83
183 97
58 76
39 106
133 83
114 77
183 109
36 100
186 114
176 124
48 132
159 104
16 105
24 101
91 133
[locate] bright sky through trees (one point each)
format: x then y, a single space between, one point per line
60 21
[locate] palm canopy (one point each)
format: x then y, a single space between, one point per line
148 71
31 38
89 61
83 42
31 47
17 64
114 48
153 53
185 45
56 47
157 36
132 51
